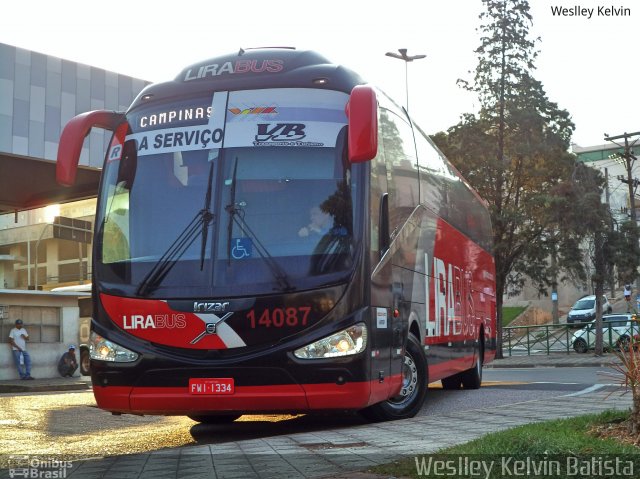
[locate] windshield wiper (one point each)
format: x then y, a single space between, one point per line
207 217
231 211
236 216
198 225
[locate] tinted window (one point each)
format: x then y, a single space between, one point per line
585 304
614 318
399 151
446 193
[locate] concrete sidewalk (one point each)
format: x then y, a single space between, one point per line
81 383
536 360
555 360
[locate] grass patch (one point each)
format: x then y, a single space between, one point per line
555 439
509 313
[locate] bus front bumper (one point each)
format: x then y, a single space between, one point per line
289 398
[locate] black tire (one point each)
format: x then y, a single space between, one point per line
472 378
414 388
580 346
452 382
85 362
216 419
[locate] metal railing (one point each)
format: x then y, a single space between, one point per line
559 338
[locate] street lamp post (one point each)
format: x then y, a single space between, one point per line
406 58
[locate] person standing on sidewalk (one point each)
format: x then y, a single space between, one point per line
627 296
18 338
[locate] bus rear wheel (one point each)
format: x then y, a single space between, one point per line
216 419
414 388
472 378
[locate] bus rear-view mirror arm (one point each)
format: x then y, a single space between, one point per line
72 139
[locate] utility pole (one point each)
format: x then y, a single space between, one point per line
612 281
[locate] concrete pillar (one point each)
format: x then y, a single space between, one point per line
51 266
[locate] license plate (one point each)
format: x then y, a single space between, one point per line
211 386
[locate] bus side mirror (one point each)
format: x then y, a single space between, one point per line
362 112
72 139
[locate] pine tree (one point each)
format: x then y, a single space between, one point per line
514 151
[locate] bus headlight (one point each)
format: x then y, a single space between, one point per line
105 350
347 342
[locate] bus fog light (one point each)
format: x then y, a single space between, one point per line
105 350
350 341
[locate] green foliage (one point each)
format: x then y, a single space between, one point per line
544 206
627 252
557 438
509 313
626 373
514 151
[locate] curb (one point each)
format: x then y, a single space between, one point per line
551 365
48 387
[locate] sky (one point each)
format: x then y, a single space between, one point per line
587 65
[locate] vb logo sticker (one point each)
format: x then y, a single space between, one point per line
280 132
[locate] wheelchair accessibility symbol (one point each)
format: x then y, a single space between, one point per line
242 248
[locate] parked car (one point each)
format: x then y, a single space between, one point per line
617 331
584 310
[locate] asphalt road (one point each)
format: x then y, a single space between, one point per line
69 424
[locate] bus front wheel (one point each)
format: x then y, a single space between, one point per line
414 388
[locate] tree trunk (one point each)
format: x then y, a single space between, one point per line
554 289
499 294
598 277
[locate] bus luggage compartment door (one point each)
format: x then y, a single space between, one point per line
382 334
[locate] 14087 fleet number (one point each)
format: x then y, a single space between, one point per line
279 317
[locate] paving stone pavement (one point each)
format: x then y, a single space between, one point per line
345 452
339 453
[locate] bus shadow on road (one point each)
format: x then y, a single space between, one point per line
259 426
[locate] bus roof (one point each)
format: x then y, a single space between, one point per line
251 69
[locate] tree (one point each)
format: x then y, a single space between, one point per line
592 220
627 254
514 151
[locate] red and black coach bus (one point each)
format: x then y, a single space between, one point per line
275 235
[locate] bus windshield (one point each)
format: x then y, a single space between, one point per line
233 221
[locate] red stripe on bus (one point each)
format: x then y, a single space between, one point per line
155 321
248 399
449 368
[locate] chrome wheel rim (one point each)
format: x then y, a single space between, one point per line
409 382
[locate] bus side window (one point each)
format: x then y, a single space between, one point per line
402 168
432 174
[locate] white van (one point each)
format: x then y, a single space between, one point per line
584 310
